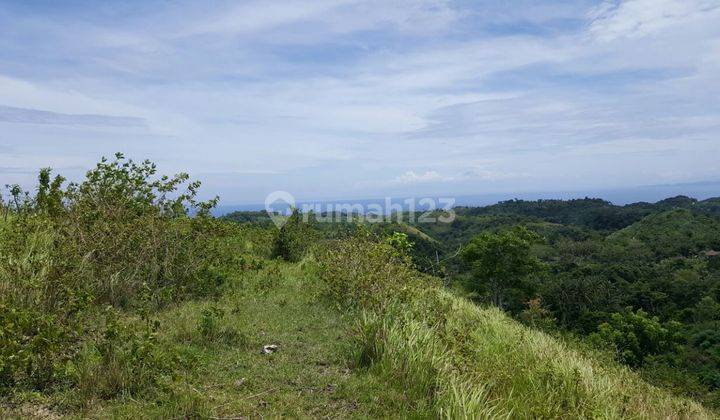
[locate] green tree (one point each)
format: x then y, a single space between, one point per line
502 261
707 309
636 335
49 193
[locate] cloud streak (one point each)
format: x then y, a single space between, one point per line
35 116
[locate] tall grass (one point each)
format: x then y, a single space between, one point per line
473 362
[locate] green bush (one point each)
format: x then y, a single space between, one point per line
123 237
295 238
366 272
34 347
127 358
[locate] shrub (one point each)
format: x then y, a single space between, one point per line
132 231
123 237
127 358
34 347
365 272
400 242
295 238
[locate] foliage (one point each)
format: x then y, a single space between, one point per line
400 242
122 237
675 232
34 347
635 335
295 238
123 359
502 261
366 271
537 316
588 212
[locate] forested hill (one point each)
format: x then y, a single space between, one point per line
593 213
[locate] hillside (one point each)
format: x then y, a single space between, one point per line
332 363
673 232
123 298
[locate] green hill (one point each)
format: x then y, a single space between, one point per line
710 207
674 232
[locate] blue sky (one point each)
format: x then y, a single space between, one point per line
346 98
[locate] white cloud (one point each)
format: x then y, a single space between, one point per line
472 174
255 16
411 177
35 116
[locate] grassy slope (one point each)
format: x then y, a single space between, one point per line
471 362
526 373
482 364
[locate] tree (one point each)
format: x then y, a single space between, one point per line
502 261
636 335
49 193
707 309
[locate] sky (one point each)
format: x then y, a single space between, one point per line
347 98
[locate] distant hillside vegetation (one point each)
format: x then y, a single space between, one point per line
674 232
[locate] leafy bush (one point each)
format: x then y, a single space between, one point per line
295 238
365 272
126 358
122 237
400 242
133 233
34 347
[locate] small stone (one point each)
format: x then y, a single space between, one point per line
270 348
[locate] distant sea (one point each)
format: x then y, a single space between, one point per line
651 193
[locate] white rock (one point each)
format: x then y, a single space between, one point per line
270 348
